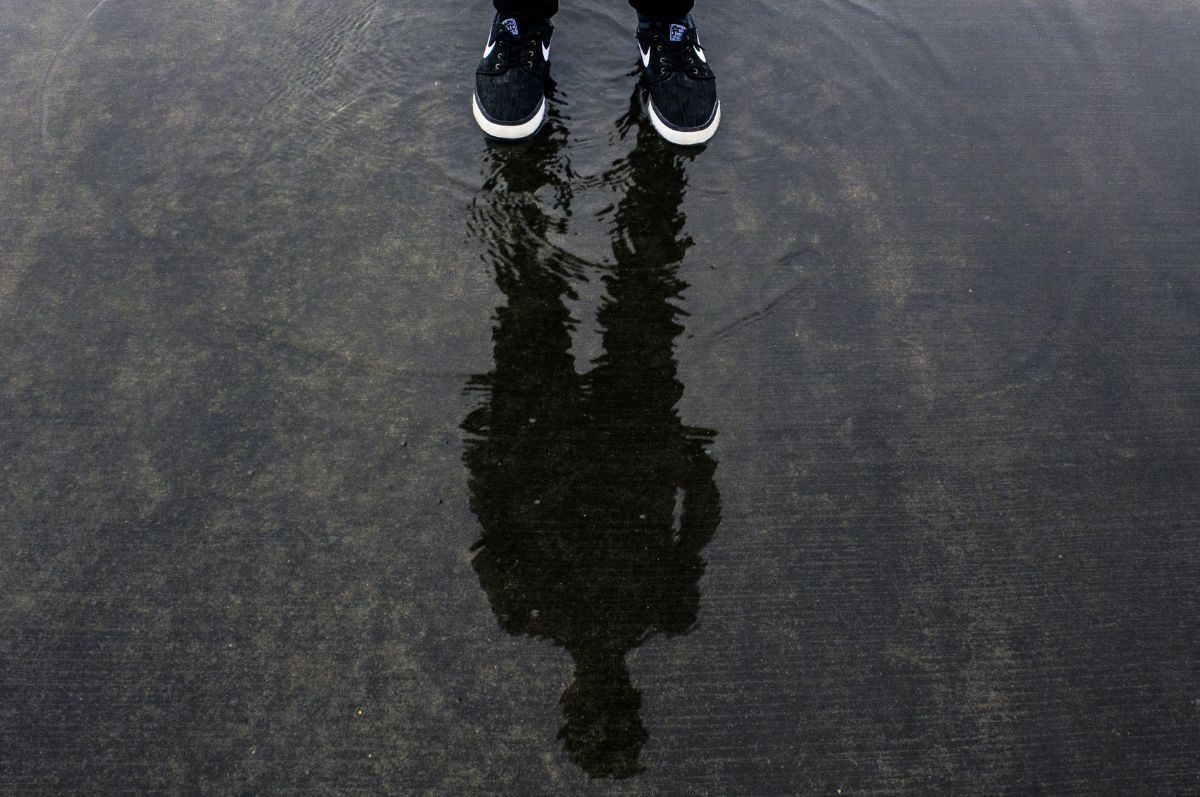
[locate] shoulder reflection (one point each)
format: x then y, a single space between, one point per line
595 500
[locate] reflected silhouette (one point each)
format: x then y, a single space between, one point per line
594 499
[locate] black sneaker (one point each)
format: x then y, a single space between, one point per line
683 103
510 84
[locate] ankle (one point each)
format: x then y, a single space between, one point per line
524 23
645 23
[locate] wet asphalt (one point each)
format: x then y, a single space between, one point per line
342 451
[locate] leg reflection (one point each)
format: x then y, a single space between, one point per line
594 499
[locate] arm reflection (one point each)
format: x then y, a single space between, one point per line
594 499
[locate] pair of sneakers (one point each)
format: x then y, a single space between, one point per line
510 84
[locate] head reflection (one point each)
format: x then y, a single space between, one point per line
594 499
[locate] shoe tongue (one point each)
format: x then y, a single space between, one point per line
677 32
510 25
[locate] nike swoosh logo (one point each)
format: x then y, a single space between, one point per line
700 54
645 56
545 52
488 50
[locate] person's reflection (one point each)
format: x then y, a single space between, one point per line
594 499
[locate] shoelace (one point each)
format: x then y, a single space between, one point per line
511 51
675 57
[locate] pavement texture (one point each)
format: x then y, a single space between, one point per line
344 452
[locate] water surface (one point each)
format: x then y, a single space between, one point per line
345 452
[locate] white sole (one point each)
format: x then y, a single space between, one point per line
684 138
509 132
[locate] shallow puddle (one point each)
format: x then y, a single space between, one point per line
344 451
